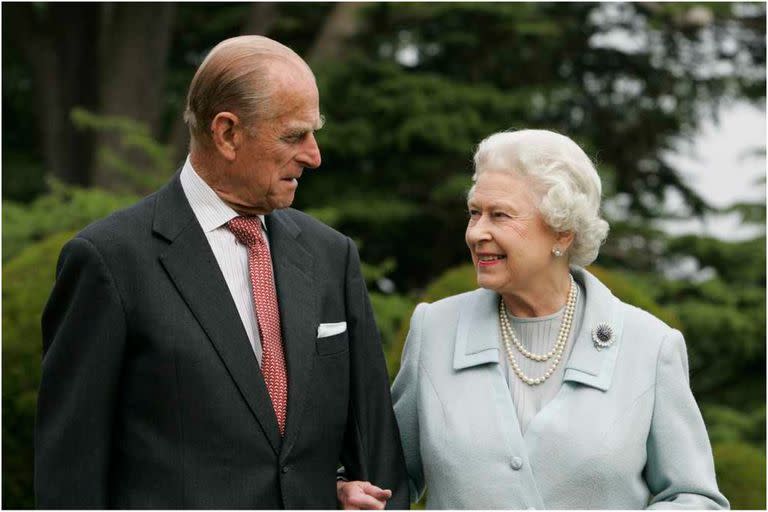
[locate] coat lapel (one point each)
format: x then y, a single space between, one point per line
477 332
193 268
587 365
296 295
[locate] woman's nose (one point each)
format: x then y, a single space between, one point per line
478 231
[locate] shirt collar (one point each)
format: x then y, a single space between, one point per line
211 212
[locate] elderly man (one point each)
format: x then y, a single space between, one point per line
208 347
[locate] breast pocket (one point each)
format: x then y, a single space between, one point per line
332 344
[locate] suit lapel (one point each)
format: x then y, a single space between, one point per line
193 268
296 295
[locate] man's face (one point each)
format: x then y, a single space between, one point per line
275 150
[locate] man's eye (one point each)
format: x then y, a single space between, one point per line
500 215
296 137
473 213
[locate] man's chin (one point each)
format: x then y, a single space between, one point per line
278 203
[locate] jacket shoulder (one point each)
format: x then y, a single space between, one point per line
645 334
449 307
640 320
124 224
312 226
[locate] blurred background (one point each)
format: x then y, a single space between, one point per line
667 98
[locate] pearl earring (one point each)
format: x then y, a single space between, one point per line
557 252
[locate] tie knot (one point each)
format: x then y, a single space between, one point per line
247 230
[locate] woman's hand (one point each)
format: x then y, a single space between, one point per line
357 495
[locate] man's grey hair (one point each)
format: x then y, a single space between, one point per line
237 76
561 175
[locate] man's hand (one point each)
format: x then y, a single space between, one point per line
357 495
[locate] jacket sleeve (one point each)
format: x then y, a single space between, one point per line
405 396
372 448
680 470
83 329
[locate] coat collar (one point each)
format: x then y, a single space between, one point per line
478 339
587 365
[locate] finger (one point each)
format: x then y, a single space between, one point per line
376 492
365 502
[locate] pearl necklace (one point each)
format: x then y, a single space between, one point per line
509 338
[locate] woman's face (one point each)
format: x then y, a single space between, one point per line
510 243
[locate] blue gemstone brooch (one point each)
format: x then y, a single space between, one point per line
602 335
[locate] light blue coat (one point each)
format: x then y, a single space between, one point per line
622 432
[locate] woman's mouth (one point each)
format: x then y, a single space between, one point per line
488 260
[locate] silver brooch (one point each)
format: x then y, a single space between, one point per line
602 335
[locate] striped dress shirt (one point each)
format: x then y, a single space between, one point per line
213 214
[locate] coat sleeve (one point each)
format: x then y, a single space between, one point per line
680 470
405 396
372 448
83 329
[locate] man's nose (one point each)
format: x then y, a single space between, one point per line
310 155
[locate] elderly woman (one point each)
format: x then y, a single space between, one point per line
541 389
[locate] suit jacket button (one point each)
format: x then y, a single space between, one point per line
284 469
516 463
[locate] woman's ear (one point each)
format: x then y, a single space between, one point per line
227 133
564 239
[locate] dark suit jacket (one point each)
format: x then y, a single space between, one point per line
151 396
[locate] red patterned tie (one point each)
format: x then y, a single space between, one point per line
248 232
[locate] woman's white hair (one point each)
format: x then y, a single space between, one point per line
562 176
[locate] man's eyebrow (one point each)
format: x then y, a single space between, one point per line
302 128
319 123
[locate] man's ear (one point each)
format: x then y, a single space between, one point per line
227 134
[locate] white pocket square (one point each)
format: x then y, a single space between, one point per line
325 330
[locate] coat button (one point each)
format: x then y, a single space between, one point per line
284 469
516 463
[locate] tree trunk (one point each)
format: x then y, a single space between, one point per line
261 18
134 44
64 67
342 23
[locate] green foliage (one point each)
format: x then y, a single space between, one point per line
735 262
392 312
727 425
64 208
723 317
22 177
751 213
454 281
27 281
373 273
740 471
634 291
134 137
